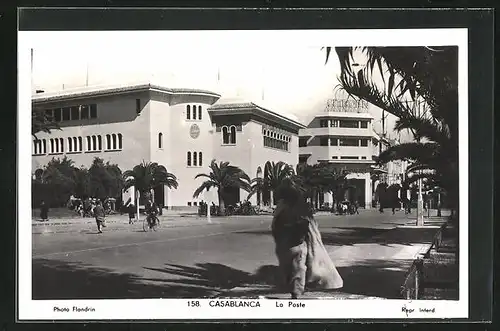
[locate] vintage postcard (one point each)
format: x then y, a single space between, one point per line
225 175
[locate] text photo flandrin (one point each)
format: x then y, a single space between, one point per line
228 195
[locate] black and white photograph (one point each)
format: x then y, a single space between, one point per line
243 174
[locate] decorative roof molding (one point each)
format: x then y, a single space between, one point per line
252 108
91 92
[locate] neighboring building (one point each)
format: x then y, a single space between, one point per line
177 128
345 139
248 136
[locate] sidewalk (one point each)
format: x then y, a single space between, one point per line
372 268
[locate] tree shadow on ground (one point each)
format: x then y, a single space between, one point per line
346 236
70 280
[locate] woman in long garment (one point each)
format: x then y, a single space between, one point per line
301 254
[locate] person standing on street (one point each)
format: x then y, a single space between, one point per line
100 216
44 212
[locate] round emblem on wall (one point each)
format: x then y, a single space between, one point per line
194 131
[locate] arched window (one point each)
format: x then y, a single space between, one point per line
108 141
56 145
233 135
160 140
188 112
94 143
51 145
199 112
70 144
99 140
120 141
80 144
89 143
44 142
200 159
35 147
225 135
75 144
195 159
189 159
61 141
113 138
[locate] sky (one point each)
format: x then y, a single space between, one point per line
282 75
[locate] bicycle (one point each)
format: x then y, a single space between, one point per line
151 222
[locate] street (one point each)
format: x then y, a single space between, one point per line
233 256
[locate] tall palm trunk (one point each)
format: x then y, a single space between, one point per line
222 207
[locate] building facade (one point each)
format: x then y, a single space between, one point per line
346 140
182 129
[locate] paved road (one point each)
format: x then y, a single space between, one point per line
188 257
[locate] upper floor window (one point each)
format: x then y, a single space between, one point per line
199 113
195 159
39 147
229 135
94 143
348 142
364 142
188 112
160 140
334 123
93 111
349 124
302 142
75 144
72 113
200 159
276 140
113 142
364 124
334 142
323 123
189 159
323 141
56 145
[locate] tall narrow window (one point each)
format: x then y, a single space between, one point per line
199 112
108 141
188 112
89 143
189 158
61 141
75 113
233 134
70 145
195 159
364 124
99 140
138 106
51 145
44 142
225 135
57 114
75 144
66 114
113 138
56 145
85 112
160 140
119 141
94 143
200 159
80 144
93 111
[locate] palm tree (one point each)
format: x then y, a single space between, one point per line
274 174
416 76
223 176
147 176
41 122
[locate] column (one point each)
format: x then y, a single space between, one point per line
368 191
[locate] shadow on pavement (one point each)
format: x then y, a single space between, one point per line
346 236
63 280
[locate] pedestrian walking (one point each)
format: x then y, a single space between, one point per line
131 213
44 211
100 216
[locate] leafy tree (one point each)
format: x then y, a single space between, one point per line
147 176
105 179
420 87
223 176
